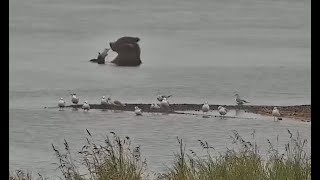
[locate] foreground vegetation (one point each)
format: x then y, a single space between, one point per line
115 159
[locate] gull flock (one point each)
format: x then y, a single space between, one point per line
163 103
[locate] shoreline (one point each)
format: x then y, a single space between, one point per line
299 112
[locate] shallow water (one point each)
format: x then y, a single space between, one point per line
30 141
197 51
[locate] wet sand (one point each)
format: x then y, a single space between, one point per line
299 112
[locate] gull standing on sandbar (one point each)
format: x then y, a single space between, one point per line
275 114
138 111
74 98
240 101
104 100
164 103
86 106
61 104
205 107
223 111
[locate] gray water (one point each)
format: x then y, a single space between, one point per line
197 51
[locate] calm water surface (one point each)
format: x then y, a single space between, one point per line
197 51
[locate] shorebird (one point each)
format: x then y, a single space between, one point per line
160 97
240 101
138 111
115 102
205 107
101 56
104 52
275 113
86 106
154 106
222 111
74 98
164 103
61 104
104 100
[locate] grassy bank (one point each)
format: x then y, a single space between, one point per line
117 159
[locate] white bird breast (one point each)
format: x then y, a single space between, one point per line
74 99
205 107
138 111
275 112
104 101
86 106
61 103
223 111
165 103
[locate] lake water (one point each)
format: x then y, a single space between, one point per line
197 51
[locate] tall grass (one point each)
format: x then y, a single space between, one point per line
243 164
115 159
293 164
20 175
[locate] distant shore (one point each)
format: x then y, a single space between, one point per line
301 112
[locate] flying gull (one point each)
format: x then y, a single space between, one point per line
160 97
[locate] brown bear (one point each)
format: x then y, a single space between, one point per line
128 51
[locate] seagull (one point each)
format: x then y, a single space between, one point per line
240 101
115 102
101 56
160 97
138 111
222 110
86 106
205 107
74 98
275 113
104 52
164 103
154 106
104 100
61 104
